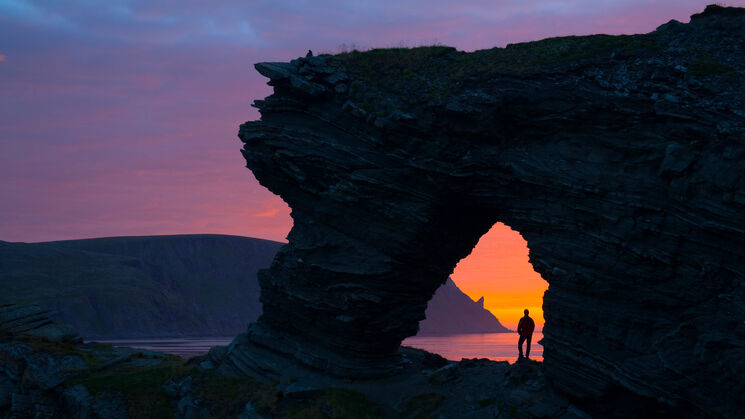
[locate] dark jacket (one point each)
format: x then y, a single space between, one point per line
526 326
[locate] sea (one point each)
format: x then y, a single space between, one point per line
494 346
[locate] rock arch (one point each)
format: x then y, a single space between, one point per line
619 160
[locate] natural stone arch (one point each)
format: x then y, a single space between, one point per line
621 171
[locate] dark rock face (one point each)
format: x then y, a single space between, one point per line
619 160
452 312
35 321
40 358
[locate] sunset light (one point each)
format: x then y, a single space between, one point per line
498 269
362 209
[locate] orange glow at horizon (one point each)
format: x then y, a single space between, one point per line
498 269
267 214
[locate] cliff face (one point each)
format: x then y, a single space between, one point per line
451 312
152 286
618 159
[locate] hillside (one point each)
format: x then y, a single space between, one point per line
184 285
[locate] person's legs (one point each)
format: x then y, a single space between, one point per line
520 345
527 345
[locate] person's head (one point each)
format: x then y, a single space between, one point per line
526 311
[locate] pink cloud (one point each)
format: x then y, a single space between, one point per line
124 122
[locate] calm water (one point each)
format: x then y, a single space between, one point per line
183 347
494 346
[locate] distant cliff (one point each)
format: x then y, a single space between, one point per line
184 285
450 312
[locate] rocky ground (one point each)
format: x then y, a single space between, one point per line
48 374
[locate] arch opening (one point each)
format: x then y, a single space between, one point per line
475 314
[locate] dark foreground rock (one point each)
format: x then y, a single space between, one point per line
42 370
618 159
51 378
34 320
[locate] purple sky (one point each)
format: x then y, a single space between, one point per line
120 117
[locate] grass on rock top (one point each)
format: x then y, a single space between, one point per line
526 57
142 389
422 406
422 74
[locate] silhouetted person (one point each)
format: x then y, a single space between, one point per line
525 330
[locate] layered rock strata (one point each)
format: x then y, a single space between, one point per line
34 320
41 360
618 159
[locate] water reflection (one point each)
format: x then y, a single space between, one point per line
494 346
183 347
